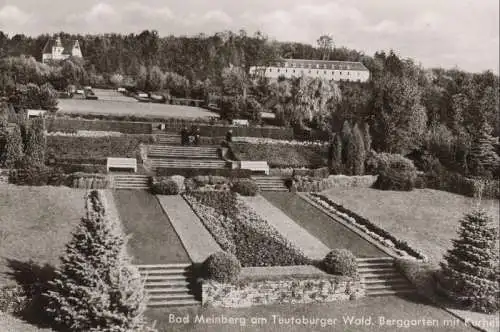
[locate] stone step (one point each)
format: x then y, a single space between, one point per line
170 296
166 284
375 259
387 274
384 292
168 291
174 303
376 269
164 272
163 266
376 281
375 265
164 278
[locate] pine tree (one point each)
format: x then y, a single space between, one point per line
13 149
470 268
97 288
36 146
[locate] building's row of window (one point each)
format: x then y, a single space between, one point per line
317 66
310 71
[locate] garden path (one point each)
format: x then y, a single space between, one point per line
301 238
196 239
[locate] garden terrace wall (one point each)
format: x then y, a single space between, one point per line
67 125
279 285
281 155
92 150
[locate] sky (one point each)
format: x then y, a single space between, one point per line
436 33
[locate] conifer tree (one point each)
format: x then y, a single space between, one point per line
367 138
36 146
483 157
97 288
336 154
13 149
346 135
470 268
356 153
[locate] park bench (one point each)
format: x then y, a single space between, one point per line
241 123
255 166
125 163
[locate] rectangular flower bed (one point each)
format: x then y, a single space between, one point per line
239 230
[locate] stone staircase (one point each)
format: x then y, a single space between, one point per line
380 277
183 152
130 181
168 285
270 183
169 139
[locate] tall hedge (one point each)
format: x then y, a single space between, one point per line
97 288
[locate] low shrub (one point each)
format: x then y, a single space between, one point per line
38 176
179 180
245 187
222 266
342 262
395 172
165 187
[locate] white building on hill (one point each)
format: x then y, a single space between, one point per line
331 70
54 50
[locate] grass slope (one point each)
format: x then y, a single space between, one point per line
427 219
154 240
36 223
318 224
390 307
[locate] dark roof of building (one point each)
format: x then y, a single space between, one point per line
323 64
68 46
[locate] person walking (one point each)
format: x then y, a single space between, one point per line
184 136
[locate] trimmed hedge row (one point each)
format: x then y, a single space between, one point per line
192 172
281 155
401 245
240 231
311 184
73 125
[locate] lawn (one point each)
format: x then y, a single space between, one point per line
154 240
119 107
320 225
9 323
36 223
281 155
427 219
390 308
